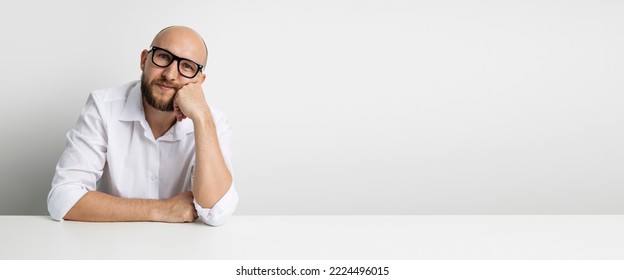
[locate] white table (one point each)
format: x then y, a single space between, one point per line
321 237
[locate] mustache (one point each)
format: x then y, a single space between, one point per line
164 82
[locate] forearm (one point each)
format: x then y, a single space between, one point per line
97 206
212 178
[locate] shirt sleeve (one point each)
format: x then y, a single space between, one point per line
223 209
82 162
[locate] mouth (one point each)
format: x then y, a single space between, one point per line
165 88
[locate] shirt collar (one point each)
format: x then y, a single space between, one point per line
133 111
179 131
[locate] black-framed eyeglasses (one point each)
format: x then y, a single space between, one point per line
164 58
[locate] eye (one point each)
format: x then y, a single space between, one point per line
164 56
188 66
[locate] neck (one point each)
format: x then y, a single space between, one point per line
159 121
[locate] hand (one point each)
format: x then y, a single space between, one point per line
190 102
179 209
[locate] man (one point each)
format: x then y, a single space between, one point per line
151 150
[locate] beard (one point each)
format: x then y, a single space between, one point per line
148 95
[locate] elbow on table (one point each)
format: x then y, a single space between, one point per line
62 198
222 210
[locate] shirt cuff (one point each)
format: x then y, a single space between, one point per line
221 211
62 198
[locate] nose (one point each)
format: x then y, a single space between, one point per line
171 72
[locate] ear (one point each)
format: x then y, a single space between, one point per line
202 78
143 59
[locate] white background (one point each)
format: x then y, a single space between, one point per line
349 107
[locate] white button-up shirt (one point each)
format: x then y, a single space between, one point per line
112 150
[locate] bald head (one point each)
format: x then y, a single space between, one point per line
184 42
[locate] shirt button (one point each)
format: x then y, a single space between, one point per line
154 177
